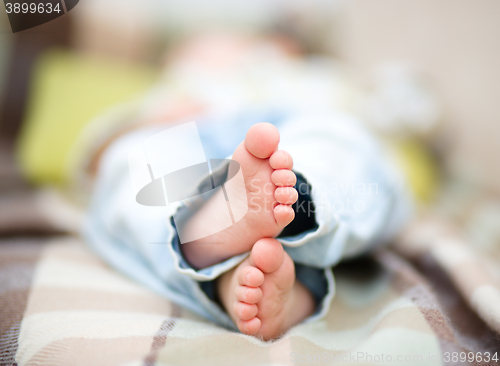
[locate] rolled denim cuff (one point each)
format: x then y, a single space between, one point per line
319 281
321 284
205 274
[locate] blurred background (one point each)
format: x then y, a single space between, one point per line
422 75
57 77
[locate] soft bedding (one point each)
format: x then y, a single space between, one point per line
430 299
62 305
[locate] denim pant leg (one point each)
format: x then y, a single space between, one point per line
359 197
141 242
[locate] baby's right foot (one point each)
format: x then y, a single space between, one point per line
261 294
269 194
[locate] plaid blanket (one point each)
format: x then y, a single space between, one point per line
430 299
61 305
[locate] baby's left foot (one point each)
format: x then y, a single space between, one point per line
261 294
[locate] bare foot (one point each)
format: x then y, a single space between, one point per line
261 294
269 195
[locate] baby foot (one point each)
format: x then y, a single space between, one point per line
269 182
261 294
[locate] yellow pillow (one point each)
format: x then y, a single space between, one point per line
68 90
419 167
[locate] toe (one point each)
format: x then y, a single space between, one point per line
281 160
267 255
286 195
283 215
250 295
249 327
250 276
283 178
245 311
262 140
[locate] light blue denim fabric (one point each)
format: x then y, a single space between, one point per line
330 150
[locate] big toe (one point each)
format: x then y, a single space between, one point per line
249 327
262 140
267 255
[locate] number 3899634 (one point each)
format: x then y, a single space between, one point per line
25 8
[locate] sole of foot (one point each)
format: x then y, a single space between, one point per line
262 296
269 194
